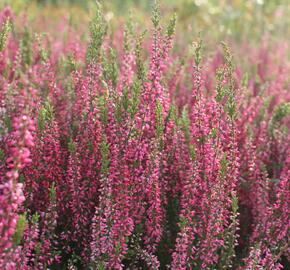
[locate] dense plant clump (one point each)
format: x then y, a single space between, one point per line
126 154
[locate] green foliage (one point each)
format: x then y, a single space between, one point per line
219 88
128 34
4 34
52 193
105 153
173 115
127 105
198 46
159 123
102 104
110 68
185 122
245 79
231 105
44 52
138 52
171 228
69 64
98 30
228 254
101 265
227 90
45 116
224 165
119 110
281 112
135 98
126 100
35 219
2 155
155 18
20 229
235 205
71 146
228 58
26 49
276 127
172 25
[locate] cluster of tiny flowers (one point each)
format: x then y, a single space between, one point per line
11 190
127 157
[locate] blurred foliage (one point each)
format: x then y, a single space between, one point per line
240 20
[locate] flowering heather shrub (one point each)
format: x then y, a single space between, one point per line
126 157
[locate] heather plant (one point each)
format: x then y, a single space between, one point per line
128 152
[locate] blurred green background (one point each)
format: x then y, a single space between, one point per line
239 20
